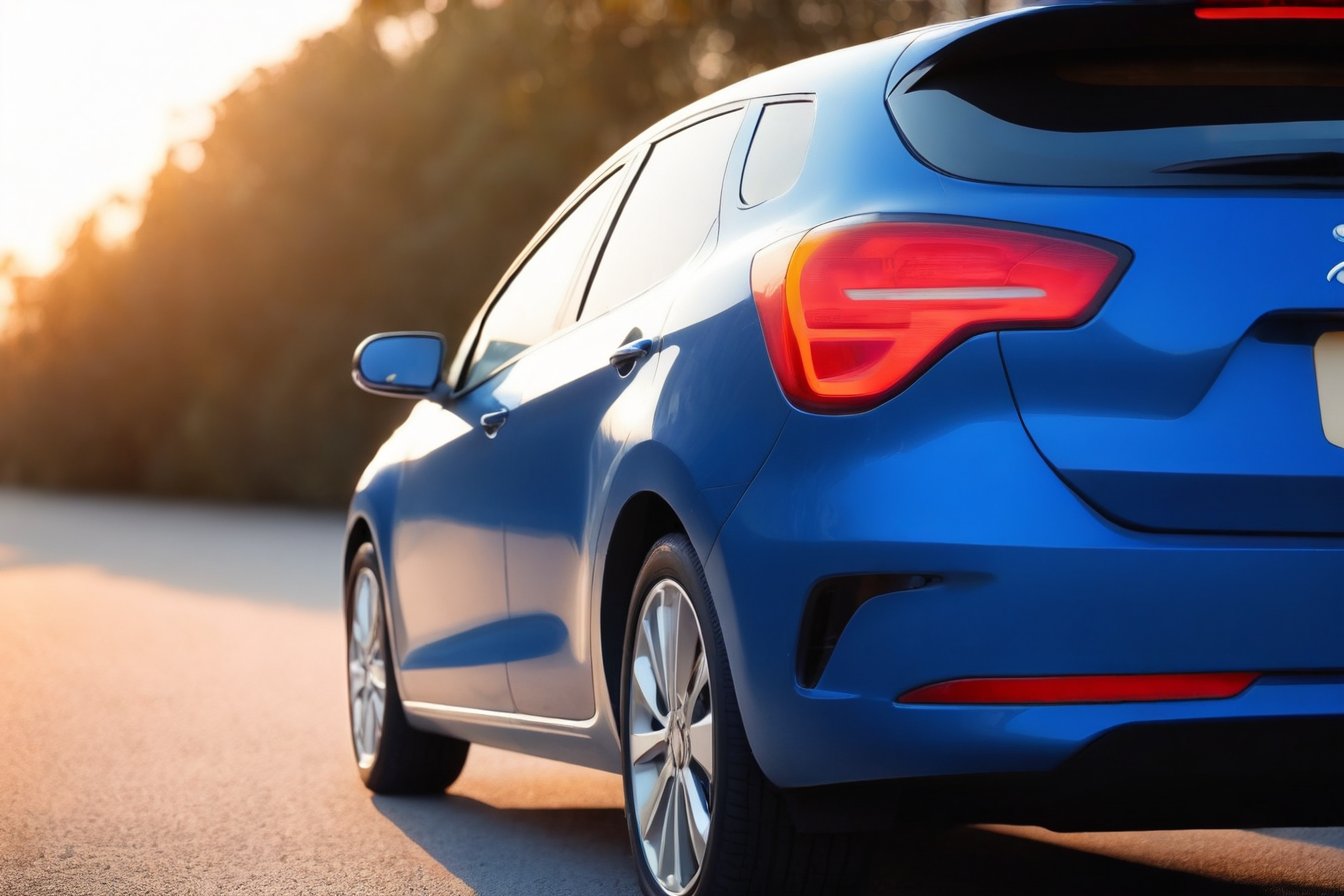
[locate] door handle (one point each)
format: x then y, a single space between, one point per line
491 422
625 357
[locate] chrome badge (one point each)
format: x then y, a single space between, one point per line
1337 272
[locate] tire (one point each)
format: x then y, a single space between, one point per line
392 757
733 833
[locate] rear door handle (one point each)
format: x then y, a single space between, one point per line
625 357
491 422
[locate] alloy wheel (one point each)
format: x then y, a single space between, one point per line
368 668
670 731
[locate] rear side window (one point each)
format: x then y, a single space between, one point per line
778 150
672 208
528 309
1146 96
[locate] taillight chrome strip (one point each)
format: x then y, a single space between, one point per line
944 293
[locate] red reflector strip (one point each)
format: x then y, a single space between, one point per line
1083 689
1270 12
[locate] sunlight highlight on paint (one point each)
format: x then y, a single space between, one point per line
94 96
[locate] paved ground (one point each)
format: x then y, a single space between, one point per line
172 721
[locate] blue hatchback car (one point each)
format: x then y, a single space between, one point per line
945 429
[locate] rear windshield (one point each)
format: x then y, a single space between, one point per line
1133 97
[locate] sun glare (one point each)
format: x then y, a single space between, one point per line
93 96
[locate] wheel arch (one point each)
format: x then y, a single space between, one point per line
645 518
652 494
369 519
358 532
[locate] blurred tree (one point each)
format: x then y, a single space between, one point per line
359 187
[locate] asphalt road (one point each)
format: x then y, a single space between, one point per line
172 721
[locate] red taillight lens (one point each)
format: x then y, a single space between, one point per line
1082 689
1270 12
854 312
1269 9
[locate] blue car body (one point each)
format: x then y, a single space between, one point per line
1147 493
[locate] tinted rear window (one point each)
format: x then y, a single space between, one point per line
1133 97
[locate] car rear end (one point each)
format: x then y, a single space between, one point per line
1056 530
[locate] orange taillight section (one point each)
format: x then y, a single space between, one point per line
854 312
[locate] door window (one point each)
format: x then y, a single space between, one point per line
528 309
672 208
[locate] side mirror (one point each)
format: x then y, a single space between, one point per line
405 365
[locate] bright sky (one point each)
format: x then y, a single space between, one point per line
94 92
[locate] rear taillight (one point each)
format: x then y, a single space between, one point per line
853 312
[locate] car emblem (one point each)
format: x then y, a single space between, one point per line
1337 272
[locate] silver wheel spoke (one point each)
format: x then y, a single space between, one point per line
699 681
645 746
649 811
702 745
668 634
359 626
697 814
664 835
644 688
676 812
686 649
649 651
371 632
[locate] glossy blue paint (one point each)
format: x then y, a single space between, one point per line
1150 492
520 637
943 481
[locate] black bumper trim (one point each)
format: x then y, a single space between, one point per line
1279 772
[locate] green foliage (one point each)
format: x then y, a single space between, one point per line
341 194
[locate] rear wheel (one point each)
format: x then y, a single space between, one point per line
392 756
703 820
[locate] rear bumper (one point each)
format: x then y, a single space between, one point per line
943 482
1239 773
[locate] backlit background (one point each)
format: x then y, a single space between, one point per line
204 205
